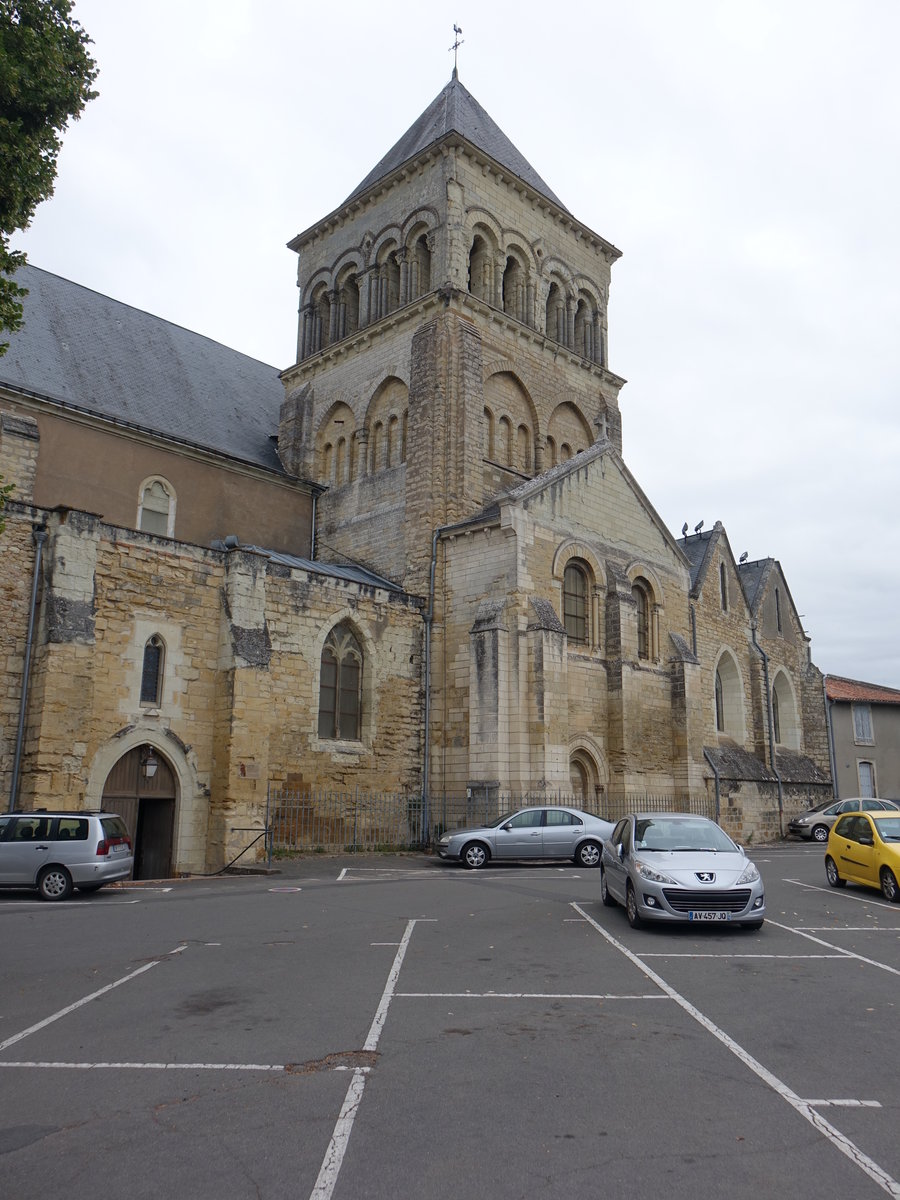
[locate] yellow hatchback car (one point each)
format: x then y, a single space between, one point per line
864 848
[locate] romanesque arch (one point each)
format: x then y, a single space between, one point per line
568 433
335 446
385 425
510 423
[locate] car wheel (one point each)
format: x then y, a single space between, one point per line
889 888
831 873
820 833
54 883
588 855
89 887
631 908
475 855
605 894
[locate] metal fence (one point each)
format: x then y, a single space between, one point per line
358 820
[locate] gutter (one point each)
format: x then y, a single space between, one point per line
39 536
771 726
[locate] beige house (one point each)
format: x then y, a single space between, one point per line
414 562
864 728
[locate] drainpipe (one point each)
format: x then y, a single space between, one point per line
771 729
715 772
829 729
312 531
38 536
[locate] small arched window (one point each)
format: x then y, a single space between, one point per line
720 704
156 508
776 716
575 603
340 686
640 593
723 587
152 671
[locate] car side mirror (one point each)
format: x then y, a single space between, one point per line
506 828
866 840
620 851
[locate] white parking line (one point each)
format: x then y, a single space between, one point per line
872 962
337 1147
85 1000
813 887
525 996
803 1107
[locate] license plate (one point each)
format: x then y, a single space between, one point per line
709 916
120 849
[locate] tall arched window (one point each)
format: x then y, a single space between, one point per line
776 716
723 587
340 686
640 593
575 603
720 704
156 508
152 671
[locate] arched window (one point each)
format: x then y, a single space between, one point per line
723 587
640 593
152 671
156 508
720 704
340 686
776 716
575 603
787 728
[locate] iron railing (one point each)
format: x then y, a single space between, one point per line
358 820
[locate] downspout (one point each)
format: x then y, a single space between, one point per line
312 529
829 729
715 772
771 729
39 536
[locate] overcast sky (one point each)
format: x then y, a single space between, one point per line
745 157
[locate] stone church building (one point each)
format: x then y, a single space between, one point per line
414 561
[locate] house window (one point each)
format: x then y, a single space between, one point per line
723 587
152 671
866 772
156 510
776 717
641 595
575 596
340 686
862 725
720 704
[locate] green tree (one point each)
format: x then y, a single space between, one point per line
46 74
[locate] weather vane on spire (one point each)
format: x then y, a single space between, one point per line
458 41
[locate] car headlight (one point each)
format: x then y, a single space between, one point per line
749 874
647 872
445 840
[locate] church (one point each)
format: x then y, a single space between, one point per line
413 562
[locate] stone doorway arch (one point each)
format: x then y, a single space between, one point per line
142 788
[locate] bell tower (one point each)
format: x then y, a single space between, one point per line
452 340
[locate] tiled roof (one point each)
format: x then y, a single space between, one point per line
455 110
838 688
103 357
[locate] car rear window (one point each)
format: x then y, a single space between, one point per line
114 827
72 829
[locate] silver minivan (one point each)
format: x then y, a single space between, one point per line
56 851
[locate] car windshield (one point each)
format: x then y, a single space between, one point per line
657 833
888 828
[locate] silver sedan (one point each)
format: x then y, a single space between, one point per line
548 831
678 867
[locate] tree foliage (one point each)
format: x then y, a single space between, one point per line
46 73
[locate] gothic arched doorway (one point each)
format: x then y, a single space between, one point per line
141 788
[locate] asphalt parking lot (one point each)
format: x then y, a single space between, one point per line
398 1027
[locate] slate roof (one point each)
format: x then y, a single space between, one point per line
455 110
838 688
83 349
350 572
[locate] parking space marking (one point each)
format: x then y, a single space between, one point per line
148 1066
725 954
843 1103
813 887
63 1012
525 996
337 1147
803 1107
872 962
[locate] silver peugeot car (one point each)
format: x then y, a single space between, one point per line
544 831
678 867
